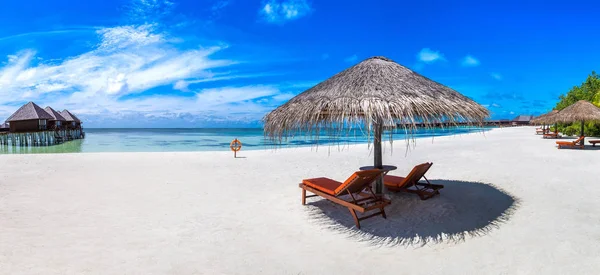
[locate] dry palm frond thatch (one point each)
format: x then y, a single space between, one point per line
375 91
546 118
580 111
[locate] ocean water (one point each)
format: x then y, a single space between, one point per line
204 139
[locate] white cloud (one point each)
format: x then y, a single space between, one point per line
427 55
351 59
144 11
107 83
126 61
496 76
279 11
181 85
470 61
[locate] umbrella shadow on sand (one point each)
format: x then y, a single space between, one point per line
464 209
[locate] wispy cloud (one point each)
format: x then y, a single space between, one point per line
351 59
426 55
278 12
217 8
496 76
130 60
148 11
469 61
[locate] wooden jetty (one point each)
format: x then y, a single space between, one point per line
40 138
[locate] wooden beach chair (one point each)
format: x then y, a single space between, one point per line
571 144
593 142
411 182
551 135
353 187
540 131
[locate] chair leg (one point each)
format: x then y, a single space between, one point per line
383 213
303 196
356 221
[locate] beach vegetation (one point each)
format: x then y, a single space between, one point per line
589 90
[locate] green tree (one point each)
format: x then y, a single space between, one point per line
588 90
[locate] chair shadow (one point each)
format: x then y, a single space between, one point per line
464 209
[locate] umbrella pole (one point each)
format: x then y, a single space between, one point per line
378 162
582 133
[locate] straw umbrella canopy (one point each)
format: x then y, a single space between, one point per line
545 118
580 111
376 92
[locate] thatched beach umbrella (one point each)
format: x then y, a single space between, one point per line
376 92
546 119
580 111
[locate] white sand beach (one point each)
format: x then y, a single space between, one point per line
512 204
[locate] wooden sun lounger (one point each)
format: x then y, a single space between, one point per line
593 142
353 187
540 131
411 182
571 144
551 135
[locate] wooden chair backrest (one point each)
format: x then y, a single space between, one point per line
579 140
416 174
358 181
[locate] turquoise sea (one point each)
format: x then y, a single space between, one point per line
204 139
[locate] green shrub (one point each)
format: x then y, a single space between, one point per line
571 130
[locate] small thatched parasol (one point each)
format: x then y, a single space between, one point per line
376 92
545 118
580 111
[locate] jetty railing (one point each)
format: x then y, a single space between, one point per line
41 138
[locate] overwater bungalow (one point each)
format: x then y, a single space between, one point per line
31 125
72 121
58 120
29 118
4 127
522 120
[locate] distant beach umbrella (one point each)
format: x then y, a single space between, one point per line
580 111
374 92
545 118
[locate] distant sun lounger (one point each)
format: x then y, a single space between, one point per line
593 142
353 187
551 135
540 131
411 182
571 144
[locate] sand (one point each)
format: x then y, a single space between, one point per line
513 204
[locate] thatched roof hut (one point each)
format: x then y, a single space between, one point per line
376 91
29 111
4 127
55 115
29 118
545 118
69 117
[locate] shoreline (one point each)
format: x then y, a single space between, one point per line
359 142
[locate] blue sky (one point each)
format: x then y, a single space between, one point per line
225 63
